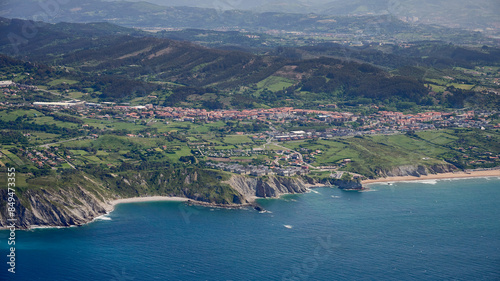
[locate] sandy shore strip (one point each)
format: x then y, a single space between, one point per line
112 204
148 199
457 175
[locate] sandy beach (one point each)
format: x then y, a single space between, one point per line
148 199
471 174
110 208
113 203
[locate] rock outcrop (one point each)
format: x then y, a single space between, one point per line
82 201
269 187
64 207
417 170
347 185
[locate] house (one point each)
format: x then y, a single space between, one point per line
285 173
6 83
258 173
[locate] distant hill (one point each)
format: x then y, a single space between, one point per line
336 17
107 61
478 15
119 64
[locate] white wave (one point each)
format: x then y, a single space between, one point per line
422 181
471 178
265 211
103 218
287 226
428 181
334 196
33 227
314 191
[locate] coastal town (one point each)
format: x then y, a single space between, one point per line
378 122
344 123
275 129
266 133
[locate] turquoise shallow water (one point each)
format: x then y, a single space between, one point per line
444 230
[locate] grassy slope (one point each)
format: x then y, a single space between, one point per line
372 153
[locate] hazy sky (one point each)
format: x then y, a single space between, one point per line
476 7
235 4
475 15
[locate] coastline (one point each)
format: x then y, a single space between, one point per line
111 207
148 199
456 175
115 202
173 199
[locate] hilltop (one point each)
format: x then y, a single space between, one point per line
349 21
112 63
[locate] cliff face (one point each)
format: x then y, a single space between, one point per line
252 188
78 204
81 198
78 198
417 170
351 185
64 207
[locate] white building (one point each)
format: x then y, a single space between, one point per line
6 83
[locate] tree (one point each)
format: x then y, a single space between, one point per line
346 177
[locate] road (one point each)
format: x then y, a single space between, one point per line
49 144
301 158
57 94
69 163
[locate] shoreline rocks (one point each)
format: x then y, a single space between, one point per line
76 206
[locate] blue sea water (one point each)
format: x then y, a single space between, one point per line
444 230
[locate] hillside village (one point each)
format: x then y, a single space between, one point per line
379 122
271 126
282 162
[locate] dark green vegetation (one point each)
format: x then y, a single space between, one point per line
205 186
102 62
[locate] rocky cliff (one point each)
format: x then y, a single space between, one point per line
49 207
416 170
79 198
251 188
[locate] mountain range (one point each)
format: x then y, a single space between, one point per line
481 15
114 63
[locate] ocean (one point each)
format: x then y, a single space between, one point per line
428 230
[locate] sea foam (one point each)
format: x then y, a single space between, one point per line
103 218
422 181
